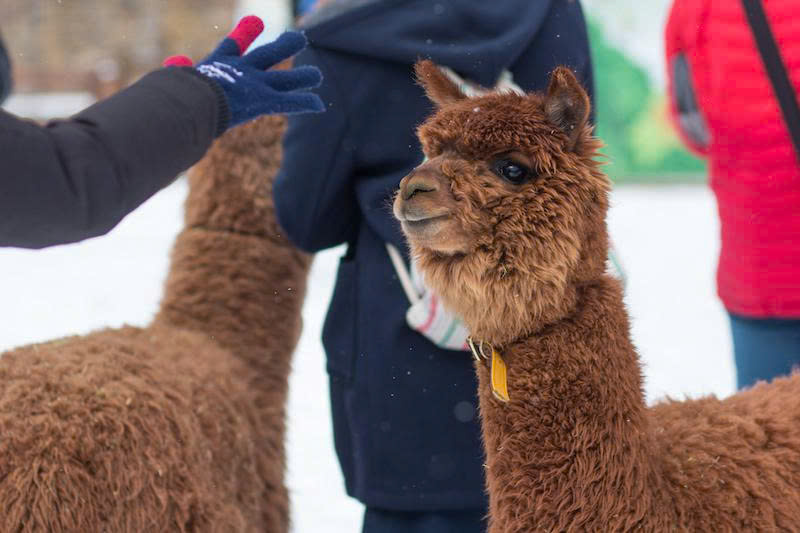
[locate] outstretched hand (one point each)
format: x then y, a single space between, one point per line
250 88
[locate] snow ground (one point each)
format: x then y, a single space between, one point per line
666 237
43 106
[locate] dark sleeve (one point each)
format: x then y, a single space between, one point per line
690 119
77 178
5 72
314 196
682 40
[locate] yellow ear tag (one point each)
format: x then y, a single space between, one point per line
499 377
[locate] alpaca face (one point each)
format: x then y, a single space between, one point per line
508 210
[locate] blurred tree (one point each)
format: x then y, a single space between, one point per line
631 120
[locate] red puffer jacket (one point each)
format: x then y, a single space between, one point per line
724 106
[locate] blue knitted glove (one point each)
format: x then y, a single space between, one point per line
252 90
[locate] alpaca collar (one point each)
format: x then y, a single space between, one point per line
499 371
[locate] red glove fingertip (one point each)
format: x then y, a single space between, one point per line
177 61
246 31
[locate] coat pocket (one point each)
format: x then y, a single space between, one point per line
339 333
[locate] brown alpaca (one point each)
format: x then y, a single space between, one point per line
178 426
507 220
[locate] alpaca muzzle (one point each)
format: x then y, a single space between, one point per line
427 211
420 200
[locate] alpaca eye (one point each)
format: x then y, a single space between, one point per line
512 171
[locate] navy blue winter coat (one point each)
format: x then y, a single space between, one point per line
404 411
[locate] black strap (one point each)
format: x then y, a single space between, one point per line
775 69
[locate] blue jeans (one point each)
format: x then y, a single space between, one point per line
382 521
764 348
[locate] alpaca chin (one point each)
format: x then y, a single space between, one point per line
498 305
436 237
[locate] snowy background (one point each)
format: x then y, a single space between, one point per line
666 236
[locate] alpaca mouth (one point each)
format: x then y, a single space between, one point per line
428 225
416 217
438 232
416 213
416 225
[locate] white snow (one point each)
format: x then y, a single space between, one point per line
666 236
276 14
43 106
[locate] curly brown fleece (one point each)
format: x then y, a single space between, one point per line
575 448
178 426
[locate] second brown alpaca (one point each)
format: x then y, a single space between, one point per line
507 221
178 426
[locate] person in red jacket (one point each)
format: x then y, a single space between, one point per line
725 109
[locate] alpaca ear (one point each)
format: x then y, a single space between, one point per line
440 89
567 104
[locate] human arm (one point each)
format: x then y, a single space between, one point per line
314 197
77 178
684 60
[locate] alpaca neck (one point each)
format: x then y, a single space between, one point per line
242 291
575 430
233 276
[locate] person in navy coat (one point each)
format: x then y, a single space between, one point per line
404 411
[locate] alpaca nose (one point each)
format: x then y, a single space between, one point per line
417 184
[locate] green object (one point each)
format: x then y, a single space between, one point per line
641 144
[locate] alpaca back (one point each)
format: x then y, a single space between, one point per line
128 430
733 464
